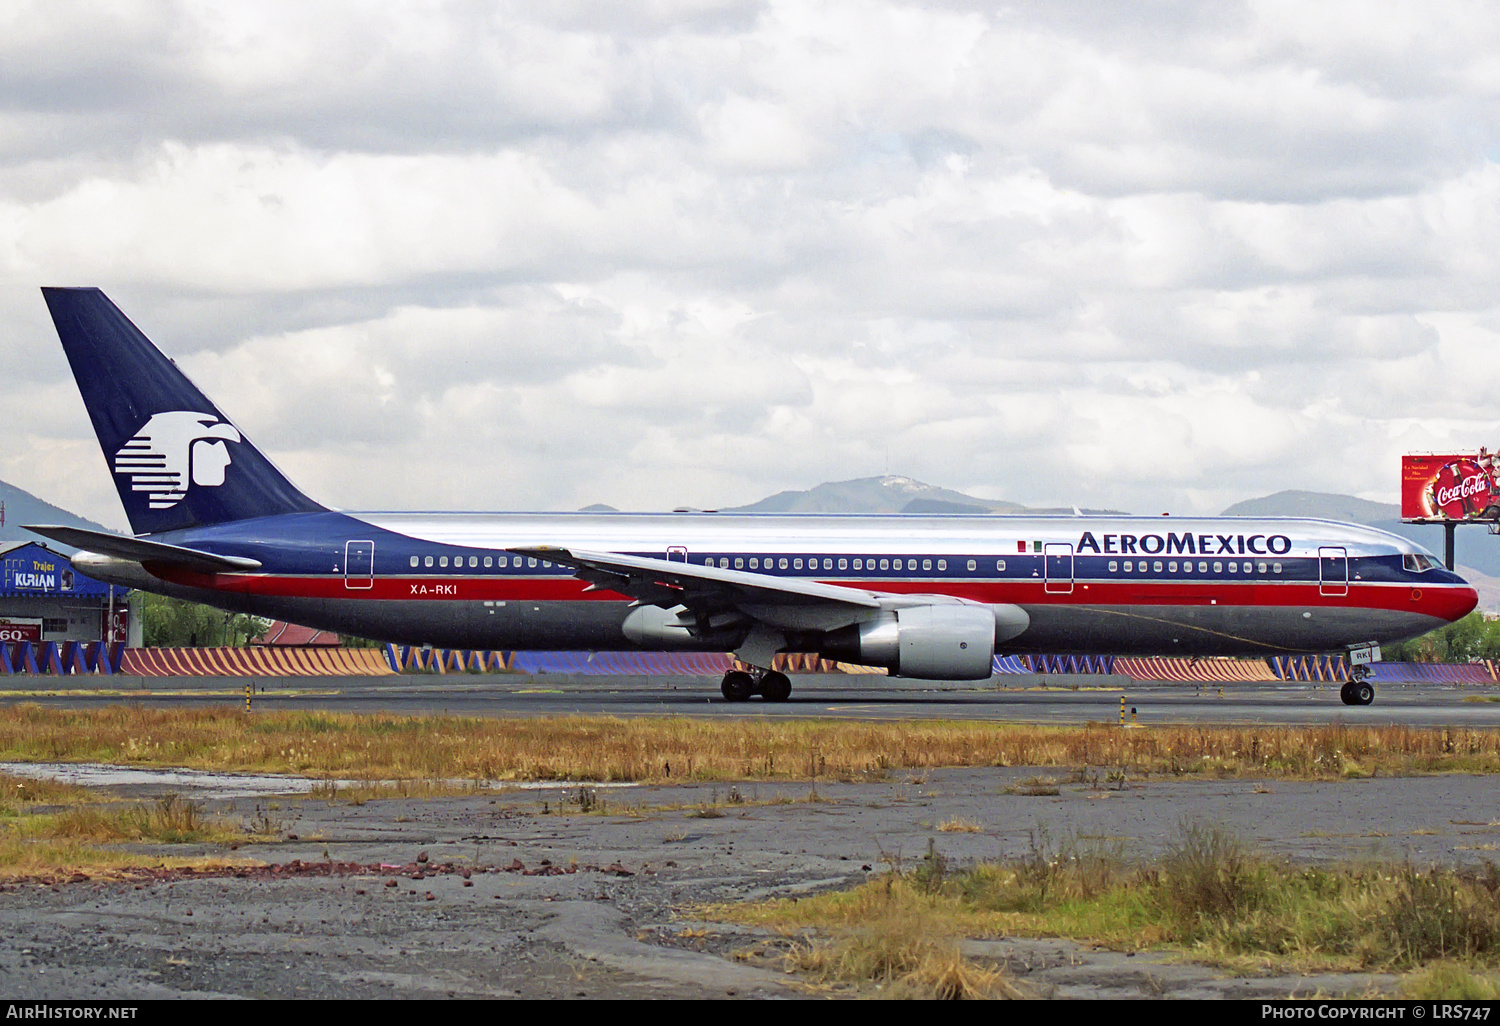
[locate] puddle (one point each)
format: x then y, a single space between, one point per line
208 784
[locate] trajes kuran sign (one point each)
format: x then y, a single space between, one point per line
1449 486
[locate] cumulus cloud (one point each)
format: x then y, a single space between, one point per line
501 256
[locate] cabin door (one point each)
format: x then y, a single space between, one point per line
1058 558
1333 570
359 564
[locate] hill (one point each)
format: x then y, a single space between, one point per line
21 507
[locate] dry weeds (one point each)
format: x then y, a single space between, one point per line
601 748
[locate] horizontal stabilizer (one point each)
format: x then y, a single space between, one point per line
142 551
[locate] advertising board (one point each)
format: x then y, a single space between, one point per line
13 628
1449 487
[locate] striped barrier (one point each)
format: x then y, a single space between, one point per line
72 657
1069 663
1331 669
254 662
1211 670
1440 673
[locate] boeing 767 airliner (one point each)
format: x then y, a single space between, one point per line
929 597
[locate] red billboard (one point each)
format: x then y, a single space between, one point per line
1449 486
20 629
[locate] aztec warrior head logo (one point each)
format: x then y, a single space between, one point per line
173 450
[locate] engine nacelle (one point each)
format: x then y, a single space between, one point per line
941 641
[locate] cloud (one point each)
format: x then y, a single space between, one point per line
504 256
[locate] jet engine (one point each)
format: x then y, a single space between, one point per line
938 641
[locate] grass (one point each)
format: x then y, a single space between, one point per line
1210 898
48 828
601 748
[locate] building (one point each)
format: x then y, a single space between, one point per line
42 598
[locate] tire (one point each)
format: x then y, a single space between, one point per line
737 686
775 687
1346 694
1364 694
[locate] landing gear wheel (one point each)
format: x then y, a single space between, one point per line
775 687
737 686
1357 692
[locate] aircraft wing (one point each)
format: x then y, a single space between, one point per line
142 551
706 590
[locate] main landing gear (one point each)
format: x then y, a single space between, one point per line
1358 690
771 685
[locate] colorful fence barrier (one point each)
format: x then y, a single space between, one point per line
254 662
1442 673
1334 669
1210 670
71 657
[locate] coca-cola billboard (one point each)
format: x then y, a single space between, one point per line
1451 486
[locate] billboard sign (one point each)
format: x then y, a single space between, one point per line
1437 487
20 629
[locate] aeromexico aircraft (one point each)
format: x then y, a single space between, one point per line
929 597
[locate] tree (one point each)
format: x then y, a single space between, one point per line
1473 637
169 622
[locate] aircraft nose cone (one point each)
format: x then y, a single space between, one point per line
1450 601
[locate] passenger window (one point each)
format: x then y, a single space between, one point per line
531 561
442 561
1114 565
1276 568
473 560
1000 565
973 565
885 564
429 561
926 564
783 563
1202 568
796 564
1171 567
942 564
843 564
489 560
505 560
1157 566
739 562
755 563
414 561
1262 568
1129 567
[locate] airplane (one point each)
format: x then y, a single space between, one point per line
925 597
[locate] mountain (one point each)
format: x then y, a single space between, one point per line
21 507
1346 508
888 494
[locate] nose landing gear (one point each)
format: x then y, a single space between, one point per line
1358 690
771 685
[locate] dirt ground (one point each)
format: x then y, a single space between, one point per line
591 892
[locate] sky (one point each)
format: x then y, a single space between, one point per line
1153 257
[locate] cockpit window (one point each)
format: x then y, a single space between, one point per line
1417 562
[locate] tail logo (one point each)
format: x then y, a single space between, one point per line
174 450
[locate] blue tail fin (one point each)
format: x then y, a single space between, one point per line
178 462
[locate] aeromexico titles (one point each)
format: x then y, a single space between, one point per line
932 597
